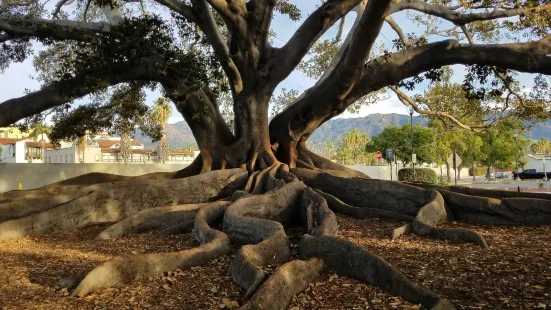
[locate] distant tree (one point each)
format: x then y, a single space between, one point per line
161 113
353 149
503 143
399 140
542 146
330 148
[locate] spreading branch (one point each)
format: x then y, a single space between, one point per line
67 90
407 100
463 18
205 20
289 56
394 25
531 57
51 29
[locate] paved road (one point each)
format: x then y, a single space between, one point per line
500 183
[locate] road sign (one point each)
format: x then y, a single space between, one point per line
454 162
388 153
414 158
379 155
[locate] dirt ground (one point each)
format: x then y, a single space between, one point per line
514 273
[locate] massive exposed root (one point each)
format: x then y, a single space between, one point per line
257 221
24 207
286 281
434 213
366 193
155 219
350 260
340 207
113 202
125 269
254 211
507 211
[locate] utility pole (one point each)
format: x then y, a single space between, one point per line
455 164
412 144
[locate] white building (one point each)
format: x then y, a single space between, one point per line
536 162
22 150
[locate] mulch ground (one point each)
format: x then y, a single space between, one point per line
515 273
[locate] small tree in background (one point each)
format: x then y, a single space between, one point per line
161 113
542 146
37 134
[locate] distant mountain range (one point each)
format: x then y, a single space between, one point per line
179 134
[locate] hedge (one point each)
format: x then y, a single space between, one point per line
421 175
480 171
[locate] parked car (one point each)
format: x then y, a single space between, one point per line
502 175
531 174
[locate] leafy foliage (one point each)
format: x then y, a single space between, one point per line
421 175
352 150
542 146
399 140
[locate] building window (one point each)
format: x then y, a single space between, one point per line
65 157
97 157
34 153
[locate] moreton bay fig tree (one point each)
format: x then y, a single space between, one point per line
254 180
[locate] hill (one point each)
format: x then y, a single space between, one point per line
179 134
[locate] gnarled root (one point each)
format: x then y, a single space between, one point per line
435 213
155 218
286 281
350 260
125 269
366 193
113 202
316 215
507 211
265 237
338 206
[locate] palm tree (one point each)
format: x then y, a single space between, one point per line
39 130
161 113
125 145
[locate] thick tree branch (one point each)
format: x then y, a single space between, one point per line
83 84
531 57
180 7
350 68
51 29
463 18
205 20
263 12
398 30
288 57
60 4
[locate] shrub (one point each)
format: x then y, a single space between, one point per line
480 171
421 175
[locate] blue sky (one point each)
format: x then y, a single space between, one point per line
17 77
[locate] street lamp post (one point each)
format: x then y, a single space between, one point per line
412 144
516 156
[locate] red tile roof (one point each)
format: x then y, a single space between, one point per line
5 141
110 150
180 152
105 144
37 144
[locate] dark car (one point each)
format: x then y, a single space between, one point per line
531 174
